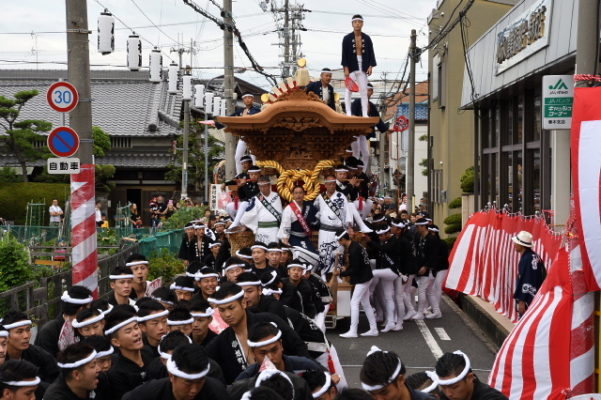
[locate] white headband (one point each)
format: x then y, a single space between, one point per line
431 229
233 266
121 325
341 235
382 231
3 333
153 316
73 300
123 276
108 310
249 283
177 287
296 265
17 324
357 19
432 375
227 299
329 181
176 322
341 170
274 250
394 375
77 324
258 246
265 342
105 353
254 170
261 183
79 363
399 225
325 387
466 369
268 373
327 71
134 263
422 223
269 292
198 226
214 244
248 95
274 275
242 255
207 313
34 382
198 276
172 368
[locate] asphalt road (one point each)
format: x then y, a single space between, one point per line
419 344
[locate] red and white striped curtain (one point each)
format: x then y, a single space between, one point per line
483 262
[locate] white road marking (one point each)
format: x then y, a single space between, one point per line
442 334
429 338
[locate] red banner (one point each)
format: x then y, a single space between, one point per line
483 262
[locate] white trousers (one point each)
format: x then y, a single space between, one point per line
435 291
383 281
409 294
423 286
357 218
241 210
399 298
360 297
360 148
361 78
320 319
240 151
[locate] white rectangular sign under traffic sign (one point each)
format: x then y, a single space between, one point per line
558 98
63 165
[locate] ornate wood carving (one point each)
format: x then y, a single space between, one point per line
298 130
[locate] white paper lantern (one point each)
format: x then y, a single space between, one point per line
156 65
187 87
134 52
223 107
216 105
106 33
209 102
172 76
199 93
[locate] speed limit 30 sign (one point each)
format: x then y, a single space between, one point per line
62 96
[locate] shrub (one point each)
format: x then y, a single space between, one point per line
453 223
455 203
450 241
15 196
182 216
467 180
14 263
166 264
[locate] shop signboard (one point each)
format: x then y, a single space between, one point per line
558 98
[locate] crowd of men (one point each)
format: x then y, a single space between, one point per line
250 323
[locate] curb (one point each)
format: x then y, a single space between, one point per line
496 326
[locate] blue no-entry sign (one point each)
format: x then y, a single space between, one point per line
63 141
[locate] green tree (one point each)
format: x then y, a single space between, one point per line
21 135
196 157
14 263
102 141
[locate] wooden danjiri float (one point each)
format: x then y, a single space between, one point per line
297 135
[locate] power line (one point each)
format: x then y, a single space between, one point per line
340 32
151 21
364 15
236 32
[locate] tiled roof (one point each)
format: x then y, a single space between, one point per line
123 103
421 111
137 160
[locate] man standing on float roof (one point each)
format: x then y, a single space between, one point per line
358 60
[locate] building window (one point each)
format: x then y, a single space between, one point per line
121 142
435 77
513 151
438 195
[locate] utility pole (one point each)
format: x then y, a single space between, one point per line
286 69
83 227
382 141
228 86
186 144
410 167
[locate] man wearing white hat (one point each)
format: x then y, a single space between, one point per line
249 109
531 271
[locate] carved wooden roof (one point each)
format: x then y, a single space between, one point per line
298 130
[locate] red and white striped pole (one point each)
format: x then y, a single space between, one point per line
84 256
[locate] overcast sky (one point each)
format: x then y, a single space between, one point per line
388 22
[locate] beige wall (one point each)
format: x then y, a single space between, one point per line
452 130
